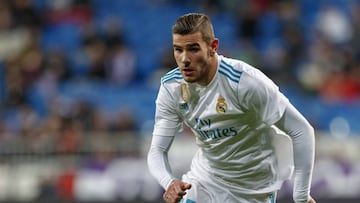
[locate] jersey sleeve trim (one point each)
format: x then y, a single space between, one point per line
229 71
174 74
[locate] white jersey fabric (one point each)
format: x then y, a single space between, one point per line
233 120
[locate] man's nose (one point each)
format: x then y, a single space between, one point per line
185 59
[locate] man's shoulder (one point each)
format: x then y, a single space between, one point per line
232 69
241 68
173 76
236 65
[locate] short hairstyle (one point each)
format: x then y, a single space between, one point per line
194 22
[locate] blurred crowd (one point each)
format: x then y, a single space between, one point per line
28 70
312 47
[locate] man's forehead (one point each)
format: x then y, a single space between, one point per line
188 39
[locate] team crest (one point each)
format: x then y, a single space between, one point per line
221 106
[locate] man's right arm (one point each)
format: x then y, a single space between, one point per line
167 125
158 161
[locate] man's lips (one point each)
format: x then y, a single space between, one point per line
187 71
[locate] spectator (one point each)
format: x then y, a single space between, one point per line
70 138
121 67
334 25
125 122
56 62
248 22
121 59
24 14
13 39
70 11
340 87
355 24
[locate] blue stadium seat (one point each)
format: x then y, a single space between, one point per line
66 37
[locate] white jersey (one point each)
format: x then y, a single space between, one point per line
232 119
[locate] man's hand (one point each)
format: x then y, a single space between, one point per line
176 191
311 200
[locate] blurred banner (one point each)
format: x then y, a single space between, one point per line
111 167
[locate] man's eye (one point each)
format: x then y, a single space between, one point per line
194 49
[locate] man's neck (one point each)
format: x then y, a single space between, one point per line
212 70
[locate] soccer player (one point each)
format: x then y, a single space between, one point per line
239 118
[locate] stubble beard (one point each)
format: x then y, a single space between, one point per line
201 74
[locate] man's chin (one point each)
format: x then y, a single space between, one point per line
189 80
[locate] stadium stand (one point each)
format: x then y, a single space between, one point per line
61 109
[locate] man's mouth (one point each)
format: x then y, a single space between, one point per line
187 71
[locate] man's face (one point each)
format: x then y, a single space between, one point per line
194 57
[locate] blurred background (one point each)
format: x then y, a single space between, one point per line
78 81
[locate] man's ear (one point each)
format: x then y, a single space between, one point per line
214 45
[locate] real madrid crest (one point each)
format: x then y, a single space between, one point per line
221 106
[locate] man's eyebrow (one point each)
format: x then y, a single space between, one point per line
193 45
187 45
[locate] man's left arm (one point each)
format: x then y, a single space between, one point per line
303 139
